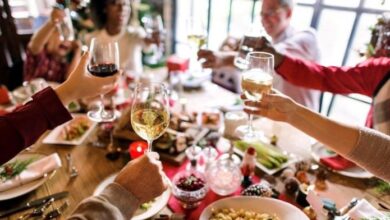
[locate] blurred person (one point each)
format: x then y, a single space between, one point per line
276 16
46 110
47 55
111 19
370 78
368 148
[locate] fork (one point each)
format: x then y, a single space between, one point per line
37 211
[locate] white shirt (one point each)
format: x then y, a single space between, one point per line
130 42
300 44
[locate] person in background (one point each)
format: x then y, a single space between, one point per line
46 55
111 19
46 110
276 17
368 148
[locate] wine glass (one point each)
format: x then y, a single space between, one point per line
104 62
150 111
255 82
154 28
197 39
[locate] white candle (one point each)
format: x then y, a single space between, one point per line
232 121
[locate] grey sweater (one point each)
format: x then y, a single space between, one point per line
372 152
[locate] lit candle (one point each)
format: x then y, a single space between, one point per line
137 148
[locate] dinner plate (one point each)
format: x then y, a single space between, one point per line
291 159
54 137
281 209
28 187
140 214
318 150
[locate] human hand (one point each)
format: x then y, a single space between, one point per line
57 15
143 177
81 84
275 106
215 59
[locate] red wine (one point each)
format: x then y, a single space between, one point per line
103 70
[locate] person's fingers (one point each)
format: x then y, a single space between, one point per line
261 112
260 104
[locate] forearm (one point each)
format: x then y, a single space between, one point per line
113 203
41 37
340 137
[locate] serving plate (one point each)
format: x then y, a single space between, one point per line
283 210
54 137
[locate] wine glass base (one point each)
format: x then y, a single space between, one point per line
104 116
245 134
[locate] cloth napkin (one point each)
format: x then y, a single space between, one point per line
337 162
364 210
35 170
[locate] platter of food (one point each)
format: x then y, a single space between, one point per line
269 158
146 210
73 132
244 206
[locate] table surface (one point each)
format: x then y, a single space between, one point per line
93 166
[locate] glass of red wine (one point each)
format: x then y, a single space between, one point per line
104 62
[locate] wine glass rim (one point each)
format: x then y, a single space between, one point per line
260 55
147 85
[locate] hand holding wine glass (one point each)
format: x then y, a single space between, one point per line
104 63
150 111
255 82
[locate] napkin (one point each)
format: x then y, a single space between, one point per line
337 162
35 170
364 210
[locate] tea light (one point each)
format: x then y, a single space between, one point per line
234 120
137 149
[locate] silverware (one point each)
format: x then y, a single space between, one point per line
37 211
34 203
73 172
57 212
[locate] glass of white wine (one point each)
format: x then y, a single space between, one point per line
150 111
197 39
256 81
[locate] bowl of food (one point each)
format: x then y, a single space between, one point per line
189 188
248 207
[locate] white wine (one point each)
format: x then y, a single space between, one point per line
149 123
197 39
255 83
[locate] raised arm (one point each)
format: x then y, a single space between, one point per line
40 38
368 148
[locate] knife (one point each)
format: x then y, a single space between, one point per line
34 203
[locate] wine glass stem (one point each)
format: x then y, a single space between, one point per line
101 106
150 142
250 125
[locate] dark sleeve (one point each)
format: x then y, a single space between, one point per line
114 202
362 78
23 126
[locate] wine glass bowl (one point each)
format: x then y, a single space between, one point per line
150 111
104 62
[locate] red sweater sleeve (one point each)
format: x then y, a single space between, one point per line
26 124
362 78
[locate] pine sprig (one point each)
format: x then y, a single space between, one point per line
12 169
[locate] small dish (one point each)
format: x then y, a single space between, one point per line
56 137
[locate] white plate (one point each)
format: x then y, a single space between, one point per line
283 210
26 188
158 204
54 136
291 159
318 150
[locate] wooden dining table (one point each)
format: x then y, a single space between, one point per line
93 166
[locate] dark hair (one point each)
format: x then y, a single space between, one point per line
98 12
